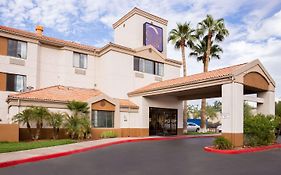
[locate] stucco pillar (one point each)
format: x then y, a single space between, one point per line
232 113
268 105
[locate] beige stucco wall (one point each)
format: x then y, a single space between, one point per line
56 67
132 34
115 75
9 133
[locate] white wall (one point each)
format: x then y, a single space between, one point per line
56 68
115 75
132 34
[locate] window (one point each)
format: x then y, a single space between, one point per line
148 66
12 82
80 60
17 48
103 119
159 69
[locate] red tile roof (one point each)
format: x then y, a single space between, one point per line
46 39
65 94
218 73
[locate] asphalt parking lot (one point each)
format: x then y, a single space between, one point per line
184 156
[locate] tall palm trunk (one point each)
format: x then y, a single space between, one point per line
205 69
184 102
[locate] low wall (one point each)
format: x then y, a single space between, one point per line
9 132
121 132
46 133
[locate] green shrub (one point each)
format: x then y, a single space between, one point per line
108 134
222 143
260 129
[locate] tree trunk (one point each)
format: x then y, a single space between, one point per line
29 130
203 115
184 102
205 69
38 129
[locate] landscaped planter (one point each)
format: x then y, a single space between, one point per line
242 150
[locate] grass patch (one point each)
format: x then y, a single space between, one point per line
18 146
200 133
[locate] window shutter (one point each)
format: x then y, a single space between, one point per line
3 81
3 46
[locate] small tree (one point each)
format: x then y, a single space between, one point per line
25 117
39 115
56 120
78 124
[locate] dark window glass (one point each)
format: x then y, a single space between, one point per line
17 48
148 66
136 64
15 82
12 48
103 119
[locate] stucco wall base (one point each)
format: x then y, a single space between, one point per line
46 133
180 131
9 133
235 138
121 132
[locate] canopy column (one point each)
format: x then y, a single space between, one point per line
232 111
268 105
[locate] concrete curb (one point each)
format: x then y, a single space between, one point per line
60 154
242 151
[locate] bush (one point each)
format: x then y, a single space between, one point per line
222 143
260 129
108 134
77 127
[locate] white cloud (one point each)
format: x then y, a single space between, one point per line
255 32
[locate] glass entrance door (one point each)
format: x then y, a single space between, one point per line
162 121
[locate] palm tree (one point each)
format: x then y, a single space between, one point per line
211 30
78 107
78 124
39 115
200 52
181 37
56 120
25 117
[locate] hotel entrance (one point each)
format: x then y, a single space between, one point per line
162 121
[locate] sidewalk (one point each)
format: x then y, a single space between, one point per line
14 158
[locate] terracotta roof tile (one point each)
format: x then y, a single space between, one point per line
227 71
57 93
127 103
42 38
65 94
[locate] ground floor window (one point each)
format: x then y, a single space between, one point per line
102 119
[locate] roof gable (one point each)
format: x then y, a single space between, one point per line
137 11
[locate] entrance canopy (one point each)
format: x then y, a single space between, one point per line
252 75
230 83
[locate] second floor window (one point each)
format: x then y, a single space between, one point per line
17 48
148 66
80 60
12 82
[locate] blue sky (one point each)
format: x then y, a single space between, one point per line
254 25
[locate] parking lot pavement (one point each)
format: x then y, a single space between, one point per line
183 156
